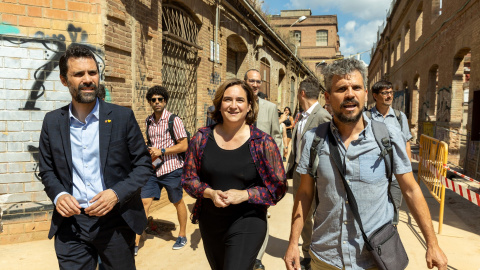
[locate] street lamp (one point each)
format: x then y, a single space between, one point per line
300 19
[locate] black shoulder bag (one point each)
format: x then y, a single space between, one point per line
384 244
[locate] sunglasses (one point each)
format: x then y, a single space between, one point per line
160 99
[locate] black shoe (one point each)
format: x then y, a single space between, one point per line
305 264
258 265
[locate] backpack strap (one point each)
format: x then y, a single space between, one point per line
398 114
320 135
171 119
368 113
382 136
149 143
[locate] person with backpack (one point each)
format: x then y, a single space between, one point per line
167 140
382 92
351 170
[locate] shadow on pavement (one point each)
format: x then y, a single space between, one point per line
276 247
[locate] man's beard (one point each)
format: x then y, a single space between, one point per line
348 119
83 97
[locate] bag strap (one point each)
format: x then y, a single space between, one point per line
171 119
368 113
320 135
382 138
335 154
149 143
398 114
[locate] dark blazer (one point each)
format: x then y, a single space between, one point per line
125 161
318 116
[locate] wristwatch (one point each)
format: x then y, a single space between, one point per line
163 151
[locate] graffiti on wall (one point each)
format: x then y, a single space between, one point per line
424 111
141 86
399 100
215 78
54 46
444 105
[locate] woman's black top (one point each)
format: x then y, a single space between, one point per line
228 169
287 124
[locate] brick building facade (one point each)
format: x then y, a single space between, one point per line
138 44
429 51
315 38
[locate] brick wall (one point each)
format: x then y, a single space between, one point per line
126 37
442 42
32 37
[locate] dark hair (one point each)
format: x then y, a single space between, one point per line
157 90
311 87
75 51
380 85
262 95
216 115
290 114
252 69
343 67
101 92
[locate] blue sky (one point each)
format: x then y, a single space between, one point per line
358 20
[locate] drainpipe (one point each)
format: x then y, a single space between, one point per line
217 25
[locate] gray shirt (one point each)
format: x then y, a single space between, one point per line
337 239
391 119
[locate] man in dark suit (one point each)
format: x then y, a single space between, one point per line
93 162
313 115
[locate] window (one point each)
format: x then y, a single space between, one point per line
406 38
436 9
322 38
297 37
419 22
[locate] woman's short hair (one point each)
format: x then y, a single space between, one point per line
216 115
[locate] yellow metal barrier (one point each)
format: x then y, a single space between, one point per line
433 152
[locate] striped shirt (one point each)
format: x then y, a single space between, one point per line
160 138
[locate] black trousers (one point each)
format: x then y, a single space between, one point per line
233 242
81 239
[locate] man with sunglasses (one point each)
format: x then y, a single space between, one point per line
267 121
382 92
168 173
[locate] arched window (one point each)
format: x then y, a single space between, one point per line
322 38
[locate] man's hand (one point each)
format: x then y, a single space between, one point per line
103 203
436 257
67 205
292 257
235 196
154 152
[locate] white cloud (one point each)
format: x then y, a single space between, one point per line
363 9
360 39
350 26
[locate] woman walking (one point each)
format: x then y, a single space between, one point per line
235 172
289 127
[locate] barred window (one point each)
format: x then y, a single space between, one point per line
322 38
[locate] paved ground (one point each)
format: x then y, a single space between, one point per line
460 239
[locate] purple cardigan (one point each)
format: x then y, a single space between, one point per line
266 157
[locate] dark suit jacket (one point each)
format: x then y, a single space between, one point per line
125 161
319 115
